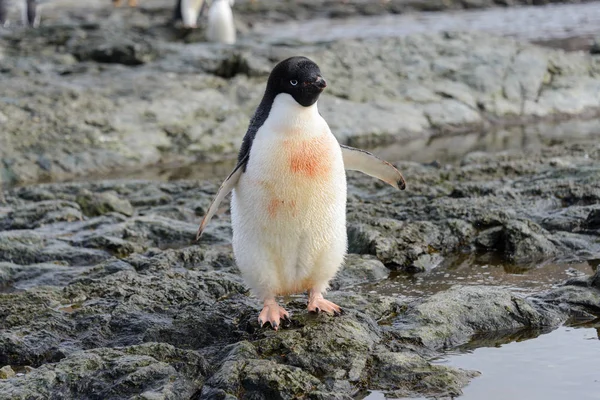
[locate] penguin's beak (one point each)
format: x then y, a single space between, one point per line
320 83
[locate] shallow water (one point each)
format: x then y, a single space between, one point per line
174 172
452 148
562 364
474 270
446 149
534 23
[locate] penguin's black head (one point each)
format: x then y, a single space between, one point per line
299 77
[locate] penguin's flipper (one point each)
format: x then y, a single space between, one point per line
226 187
367 163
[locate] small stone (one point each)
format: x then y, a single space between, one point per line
7 372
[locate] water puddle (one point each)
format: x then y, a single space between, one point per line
534 23
174 172
163 173
452 148
445 149
561 364
479 270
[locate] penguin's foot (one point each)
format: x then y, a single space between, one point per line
316 303
133 3
273 314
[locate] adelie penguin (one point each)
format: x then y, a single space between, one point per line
188 11
288 209
221 27
30 12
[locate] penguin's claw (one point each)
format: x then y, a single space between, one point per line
273 314
317 304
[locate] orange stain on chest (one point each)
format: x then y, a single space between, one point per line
309 157
276 206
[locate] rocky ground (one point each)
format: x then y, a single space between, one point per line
106 296
115 90
103 292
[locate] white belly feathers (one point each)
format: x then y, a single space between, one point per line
288 209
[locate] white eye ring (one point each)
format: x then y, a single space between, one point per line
293 82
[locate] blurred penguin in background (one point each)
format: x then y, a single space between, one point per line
30 12
131 3
3 12
188 12
221 28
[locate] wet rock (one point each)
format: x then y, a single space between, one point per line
449 318
409 246
161 232
151 370
95 204
580 295
150 196
262 379
336 352
237 63
394 370
25 247
359 269
41 213
29 276
595 280
490 239
566 220
593 220
118 47
525 242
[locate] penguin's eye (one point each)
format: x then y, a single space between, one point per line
293 82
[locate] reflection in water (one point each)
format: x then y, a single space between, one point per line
452 148
442 149
557 365
168 173
497 339
472 269
560 365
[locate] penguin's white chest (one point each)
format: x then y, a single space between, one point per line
289 207
295 173
190 10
